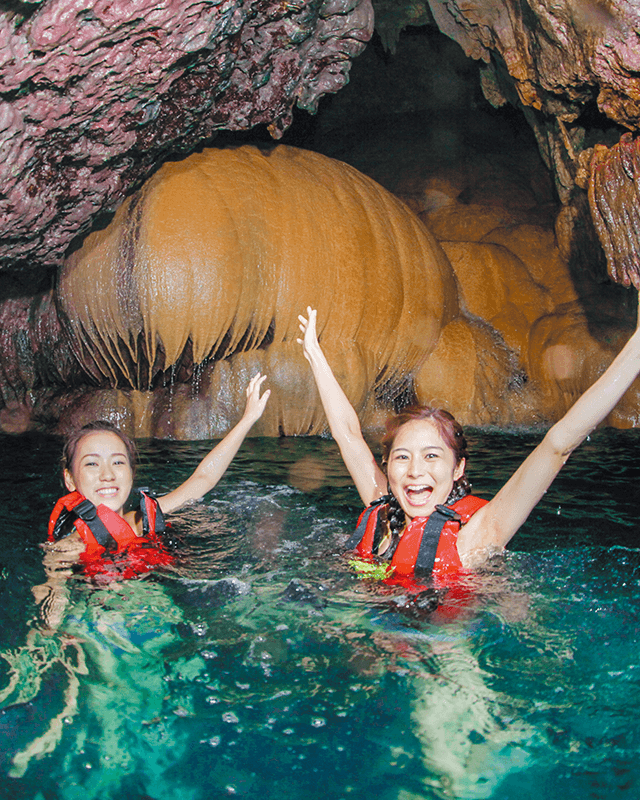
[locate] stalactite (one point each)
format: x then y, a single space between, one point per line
218 254
615 206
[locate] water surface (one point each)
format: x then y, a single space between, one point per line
259 665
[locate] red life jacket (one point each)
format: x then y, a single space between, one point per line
443 563
112 547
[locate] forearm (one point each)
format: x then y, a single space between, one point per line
495 524
215 463
209 471
52 596
599 400
343 420
345 429
341 416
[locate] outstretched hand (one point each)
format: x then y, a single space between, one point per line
215 463
309 339
255 403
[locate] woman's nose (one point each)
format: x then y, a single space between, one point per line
106 472
416 467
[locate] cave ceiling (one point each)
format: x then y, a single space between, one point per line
508 126
95 96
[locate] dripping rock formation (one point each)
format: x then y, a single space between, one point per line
495 295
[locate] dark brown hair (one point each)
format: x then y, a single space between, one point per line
451 431
98 426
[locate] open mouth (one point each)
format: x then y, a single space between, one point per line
111 491
418 494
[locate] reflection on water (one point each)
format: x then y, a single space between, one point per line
259 665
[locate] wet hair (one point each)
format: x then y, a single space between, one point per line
98 426
449 429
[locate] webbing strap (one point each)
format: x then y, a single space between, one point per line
64 524
356 537
88 513
431 536
159 525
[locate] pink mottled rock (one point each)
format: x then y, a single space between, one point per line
93 96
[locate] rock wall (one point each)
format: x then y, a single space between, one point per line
198 281
614 196
93 99
160 319
95 96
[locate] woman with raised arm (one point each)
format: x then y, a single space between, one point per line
90 524
420 516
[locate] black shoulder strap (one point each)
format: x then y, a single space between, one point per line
431 536
64 524
160 526
88 513
356 537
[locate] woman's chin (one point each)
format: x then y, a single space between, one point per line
412 510
113 503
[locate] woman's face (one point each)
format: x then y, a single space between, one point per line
101 470
422 468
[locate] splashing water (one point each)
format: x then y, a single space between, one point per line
259 665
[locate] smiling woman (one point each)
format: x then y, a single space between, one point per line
413 450
99 465
90 522
420 514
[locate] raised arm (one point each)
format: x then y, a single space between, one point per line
494 525
369 479
214 464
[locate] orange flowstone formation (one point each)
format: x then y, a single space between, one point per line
198 281
531 336
205 271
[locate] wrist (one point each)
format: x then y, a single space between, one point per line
247 419
317 357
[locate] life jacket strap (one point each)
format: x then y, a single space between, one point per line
431 536
88 513
152 517
356 537
63 525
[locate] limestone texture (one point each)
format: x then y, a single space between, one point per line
169 301
198 281
614 200
95 96
561 55
535 328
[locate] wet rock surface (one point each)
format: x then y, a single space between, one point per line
94 96
614 196
93 100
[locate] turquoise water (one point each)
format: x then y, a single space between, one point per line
260 666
